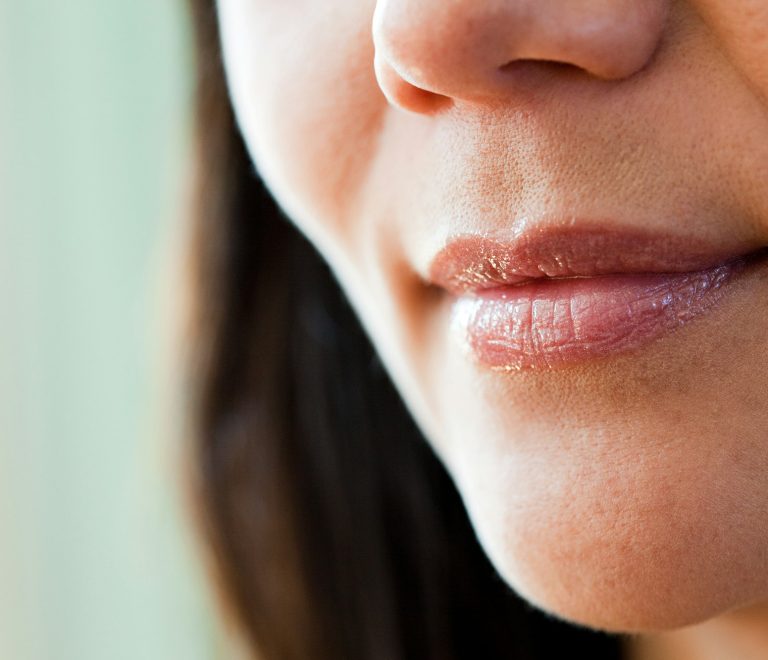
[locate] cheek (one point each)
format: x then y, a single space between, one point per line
741 27
302 82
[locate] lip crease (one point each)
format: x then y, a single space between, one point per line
561 295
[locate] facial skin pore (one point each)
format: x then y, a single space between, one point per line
628 493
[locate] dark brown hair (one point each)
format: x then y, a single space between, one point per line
335 532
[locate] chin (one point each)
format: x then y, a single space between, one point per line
616 584
619 596
635 546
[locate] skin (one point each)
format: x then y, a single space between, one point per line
629 493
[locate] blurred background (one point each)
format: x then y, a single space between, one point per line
97 559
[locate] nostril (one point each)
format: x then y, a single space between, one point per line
533 73
552 66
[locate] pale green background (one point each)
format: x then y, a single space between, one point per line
95 561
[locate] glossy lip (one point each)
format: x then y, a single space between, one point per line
472 263
559 295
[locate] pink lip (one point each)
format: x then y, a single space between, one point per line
563 295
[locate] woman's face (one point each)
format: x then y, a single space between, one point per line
536 209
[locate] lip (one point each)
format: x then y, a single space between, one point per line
562 295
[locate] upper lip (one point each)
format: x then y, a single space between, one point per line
471 262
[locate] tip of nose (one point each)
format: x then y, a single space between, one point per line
421 67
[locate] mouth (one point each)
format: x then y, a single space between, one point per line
563 295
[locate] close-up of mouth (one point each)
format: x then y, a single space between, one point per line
384 329
563 295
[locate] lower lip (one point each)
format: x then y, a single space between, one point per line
545 324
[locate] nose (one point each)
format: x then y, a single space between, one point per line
429 52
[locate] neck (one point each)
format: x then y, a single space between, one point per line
741 634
